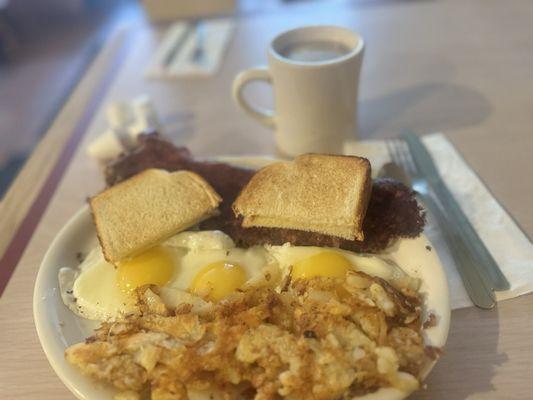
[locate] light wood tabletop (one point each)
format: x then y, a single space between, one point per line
461 68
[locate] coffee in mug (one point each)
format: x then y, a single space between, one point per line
314 51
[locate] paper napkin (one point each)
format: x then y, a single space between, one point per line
180 42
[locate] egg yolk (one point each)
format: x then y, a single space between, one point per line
217 280
326 263
154 267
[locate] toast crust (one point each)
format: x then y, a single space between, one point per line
320 193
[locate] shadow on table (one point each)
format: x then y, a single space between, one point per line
470 357
428 107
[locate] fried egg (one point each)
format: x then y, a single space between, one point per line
90 291
215 273
98 290
309 261
205 263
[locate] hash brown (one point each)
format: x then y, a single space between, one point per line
316 339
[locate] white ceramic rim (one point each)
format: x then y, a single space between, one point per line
317 31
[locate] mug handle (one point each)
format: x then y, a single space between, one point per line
263 115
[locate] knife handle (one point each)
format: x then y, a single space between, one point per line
477 290
468 234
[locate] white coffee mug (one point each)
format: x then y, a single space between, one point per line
314 72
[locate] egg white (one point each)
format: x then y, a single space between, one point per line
91 292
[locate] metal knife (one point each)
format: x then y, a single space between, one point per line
487 267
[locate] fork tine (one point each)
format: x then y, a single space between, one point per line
398 154
393 151
408 158
403 157
390 150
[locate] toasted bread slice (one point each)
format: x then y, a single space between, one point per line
315 193
148 208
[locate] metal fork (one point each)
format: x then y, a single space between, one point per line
404 169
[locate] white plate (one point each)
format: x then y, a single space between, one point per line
58 328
